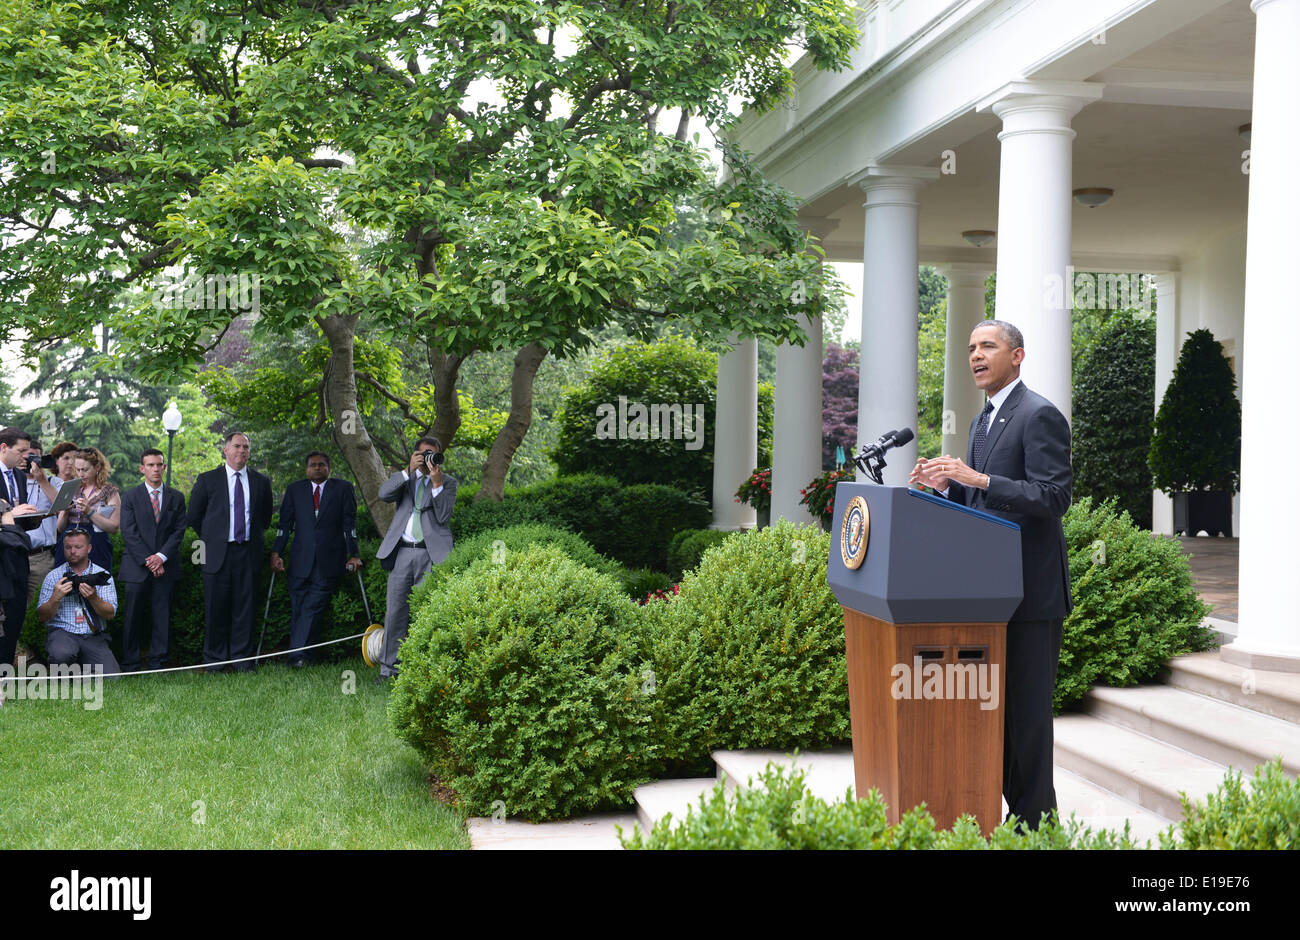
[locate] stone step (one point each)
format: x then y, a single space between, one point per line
1098 808
1216 730
827 774
1138 768
583 832
1276 694
656 800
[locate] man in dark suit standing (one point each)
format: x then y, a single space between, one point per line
13 461
321 515
230 508
153 524
415 541
1018 468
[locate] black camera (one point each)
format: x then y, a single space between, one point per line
94 579
46 461
432 458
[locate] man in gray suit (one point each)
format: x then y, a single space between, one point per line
416 540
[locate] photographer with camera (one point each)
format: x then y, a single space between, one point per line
418 538
78 599
44 536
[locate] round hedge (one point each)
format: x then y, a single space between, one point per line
1135 605
750 654
521 687
667 372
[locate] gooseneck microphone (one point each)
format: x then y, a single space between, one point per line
872 459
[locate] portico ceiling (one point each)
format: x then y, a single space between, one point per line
1164 137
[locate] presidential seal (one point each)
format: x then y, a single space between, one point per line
855 530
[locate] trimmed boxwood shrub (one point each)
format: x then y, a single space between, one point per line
511 539
1114 402
689 545
750 654
1197 439
1265 816
520 684
344 616
780 812
640 582
1134 603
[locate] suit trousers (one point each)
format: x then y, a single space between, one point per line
146 604
409 568
84 649
1033 652
228 596
15 614
308 598
39 565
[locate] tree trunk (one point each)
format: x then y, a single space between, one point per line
446 369
347 427
527 362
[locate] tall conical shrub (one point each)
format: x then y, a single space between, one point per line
1197 442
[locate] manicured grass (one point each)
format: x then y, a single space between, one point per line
279 759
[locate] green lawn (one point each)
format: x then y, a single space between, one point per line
278 759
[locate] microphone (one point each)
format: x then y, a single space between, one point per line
887 440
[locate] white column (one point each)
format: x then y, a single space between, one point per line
887 384
797 423
1269 602
735 433
962 401
1034 212
1167 333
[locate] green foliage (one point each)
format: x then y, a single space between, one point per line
750 654
497 545
778 811
1265 817
1197 441
519 685
756 490
688 547
819 494
631 524
932 330
1135 605
651 447
1114 398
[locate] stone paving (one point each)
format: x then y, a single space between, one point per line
1214 567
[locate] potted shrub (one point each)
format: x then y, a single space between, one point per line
757 492
819 495
1196 448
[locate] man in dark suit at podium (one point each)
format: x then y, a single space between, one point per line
153 524
1018 467
230 508
321 515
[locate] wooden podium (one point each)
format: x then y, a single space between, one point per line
927 588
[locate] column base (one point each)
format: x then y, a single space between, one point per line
1268 659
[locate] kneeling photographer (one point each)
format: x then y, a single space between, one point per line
78 598
418 538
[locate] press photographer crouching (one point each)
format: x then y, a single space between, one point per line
78 599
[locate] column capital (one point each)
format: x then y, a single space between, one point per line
894 185
1039 107
967 273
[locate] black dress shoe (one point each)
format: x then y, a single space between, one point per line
297 663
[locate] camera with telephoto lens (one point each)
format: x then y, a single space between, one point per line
432 458
94 578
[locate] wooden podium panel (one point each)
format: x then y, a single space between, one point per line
914 746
